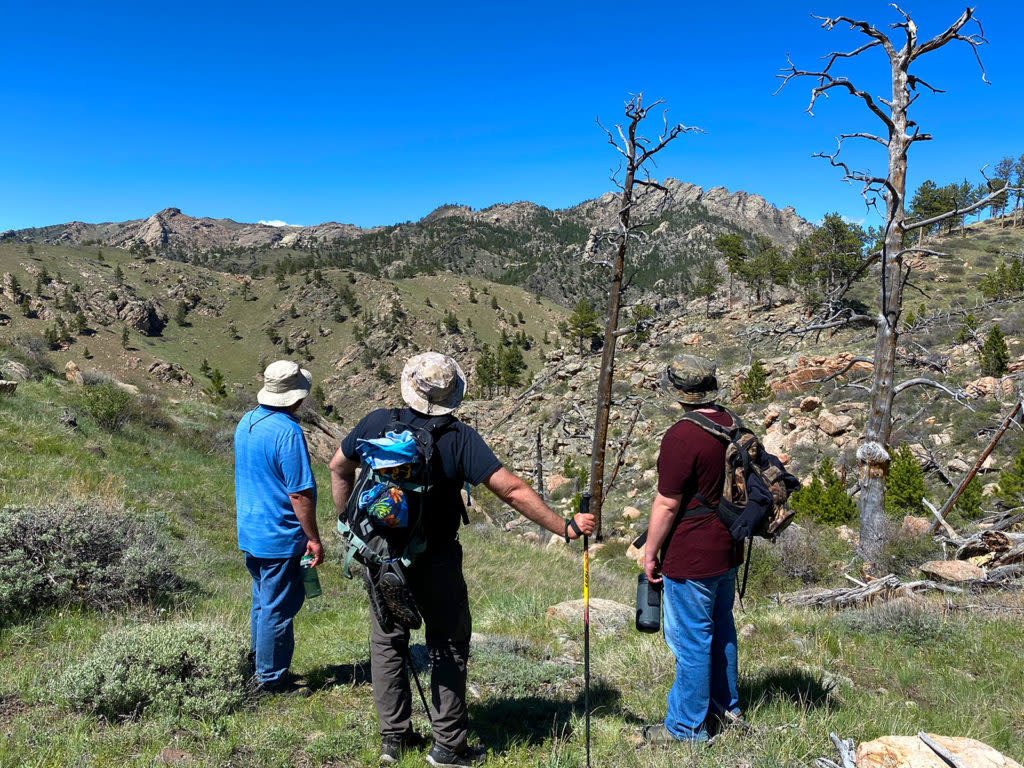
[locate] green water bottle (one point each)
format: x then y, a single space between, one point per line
310 580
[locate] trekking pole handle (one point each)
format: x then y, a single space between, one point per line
585 503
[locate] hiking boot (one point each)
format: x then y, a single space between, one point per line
398 598
442 757
287 688
660 736
391 749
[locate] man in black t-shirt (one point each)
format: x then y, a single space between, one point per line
433 385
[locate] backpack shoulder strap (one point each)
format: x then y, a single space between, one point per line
702 421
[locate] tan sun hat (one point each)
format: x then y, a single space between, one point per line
693 379
433 383
284 384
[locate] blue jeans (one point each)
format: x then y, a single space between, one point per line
700 632
277 595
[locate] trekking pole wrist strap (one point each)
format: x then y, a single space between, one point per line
570 522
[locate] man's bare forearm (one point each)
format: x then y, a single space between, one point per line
524 500
343 475
305 511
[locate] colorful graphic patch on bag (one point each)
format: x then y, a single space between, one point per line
386 505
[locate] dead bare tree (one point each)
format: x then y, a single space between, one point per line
637 153
902 49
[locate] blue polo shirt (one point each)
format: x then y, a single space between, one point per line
271 461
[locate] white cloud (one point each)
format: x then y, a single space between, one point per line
278 223
858 220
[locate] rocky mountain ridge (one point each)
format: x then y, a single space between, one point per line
171 227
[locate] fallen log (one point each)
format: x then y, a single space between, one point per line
844 597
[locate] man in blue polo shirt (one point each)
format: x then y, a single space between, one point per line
275 502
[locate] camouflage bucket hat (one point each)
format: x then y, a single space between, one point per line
433 384
693 378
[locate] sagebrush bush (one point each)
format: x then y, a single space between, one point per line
109 406
191 669
80 553
906 618
31 351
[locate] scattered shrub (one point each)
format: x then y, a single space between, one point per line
30 350
109 406
191 669
804 554
904 552
906 618
80 552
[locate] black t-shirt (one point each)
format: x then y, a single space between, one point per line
463 457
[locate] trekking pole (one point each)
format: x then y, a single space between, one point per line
412 668
585 508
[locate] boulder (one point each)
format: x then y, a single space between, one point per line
848 534
833 424
771 415
916 526
8 388
143 316
983 387
809 404
13 371
631 513
951 571
554 482
911 752
607 617
171 373
637 555
73 373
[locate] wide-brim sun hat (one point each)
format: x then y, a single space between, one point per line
433 384
692 379
284 384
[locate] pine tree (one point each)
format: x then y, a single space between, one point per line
52 337
904 484
26 306
81 324
204 367
217 391
511 366
494 302
451 322
1011 481
754 385
124 338
966 332
181 313
87 354
824 499
118 275
995 355
968 504
583 323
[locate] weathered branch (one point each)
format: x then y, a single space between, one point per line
983 203
957 395
843 370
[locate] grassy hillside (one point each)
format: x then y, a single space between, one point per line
239 324
803 674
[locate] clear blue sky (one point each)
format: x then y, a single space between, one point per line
375 113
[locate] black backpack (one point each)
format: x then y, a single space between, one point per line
384 542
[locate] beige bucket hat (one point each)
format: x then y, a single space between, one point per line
284 384
433 383
693 379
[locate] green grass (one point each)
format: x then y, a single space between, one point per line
803 674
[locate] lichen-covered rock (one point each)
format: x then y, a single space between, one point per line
607 617
952 571
911 752
73 373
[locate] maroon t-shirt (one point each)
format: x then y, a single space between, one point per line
692 461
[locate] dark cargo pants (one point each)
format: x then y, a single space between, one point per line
440 592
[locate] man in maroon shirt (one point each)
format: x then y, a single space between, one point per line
694 555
